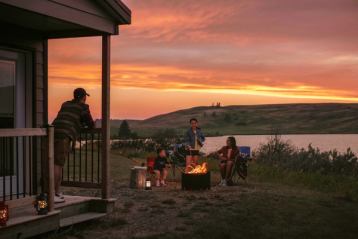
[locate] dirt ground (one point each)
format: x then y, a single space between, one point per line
250 209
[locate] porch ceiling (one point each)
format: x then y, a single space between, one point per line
53 19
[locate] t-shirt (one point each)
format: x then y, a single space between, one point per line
225 151
71 118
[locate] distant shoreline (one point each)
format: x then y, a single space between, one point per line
285 119
284 134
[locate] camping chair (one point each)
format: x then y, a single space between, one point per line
150 165
239 170
177 158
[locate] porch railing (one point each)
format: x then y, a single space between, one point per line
83 167
26 159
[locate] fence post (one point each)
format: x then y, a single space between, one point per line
51 170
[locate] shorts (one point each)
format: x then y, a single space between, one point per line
61 150
159 167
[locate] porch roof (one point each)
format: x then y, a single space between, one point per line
65 18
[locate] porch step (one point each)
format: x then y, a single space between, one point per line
68 221
70 210
30 225
25 223
75 205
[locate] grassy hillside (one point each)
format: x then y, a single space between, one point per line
256 119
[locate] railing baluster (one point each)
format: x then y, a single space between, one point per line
41 144
17 171
86 149
80 171
23 167
92 144
10 176
68 165
74 160
4 170
30 164
98 157
34 159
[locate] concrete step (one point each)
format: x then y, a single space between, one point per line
83 217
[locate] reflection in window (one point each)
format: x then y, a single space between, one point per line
7 116
7 96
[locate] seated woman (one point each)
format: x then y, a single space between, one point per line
160 169
227 155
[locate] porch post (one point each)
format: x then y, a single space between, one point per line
51 169
106 181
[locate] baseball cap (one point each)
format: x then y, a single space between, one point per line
79 93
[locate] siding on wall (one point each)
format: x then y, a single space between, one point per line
20 39
17 39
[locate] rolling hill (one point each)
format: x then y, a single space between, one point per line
327 118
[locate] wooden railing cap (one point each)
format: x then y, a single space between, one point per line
19 132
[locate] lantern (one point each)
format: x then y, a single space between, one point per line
41 204
148 184
4 213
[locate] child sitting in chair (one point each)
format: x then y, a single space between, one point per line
160 169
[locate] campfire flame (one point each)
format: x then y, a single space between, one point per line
199 169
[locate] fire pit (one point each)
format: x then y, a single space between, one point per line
196 179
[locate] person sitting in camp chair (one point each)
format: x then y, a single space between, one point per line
160 167
227 154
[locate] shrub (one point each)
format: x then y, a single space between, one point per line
282 154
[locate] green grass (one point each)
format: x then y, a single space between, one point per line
255 119
342 187
273 203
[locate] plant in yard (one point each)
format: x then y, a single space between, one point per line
281 154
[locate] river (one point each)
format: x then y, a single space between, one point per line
324 142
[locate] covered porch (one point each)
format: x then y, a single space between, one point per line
26 138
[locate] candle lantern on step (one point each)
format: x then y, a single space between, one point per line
4 213
41 204
148 184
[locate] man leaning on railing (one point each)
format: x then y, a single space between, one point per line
72 117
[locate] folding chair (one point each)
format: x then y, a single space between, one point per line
150 165
177 158
239 170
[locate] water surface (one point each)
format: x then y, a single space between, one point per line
324 142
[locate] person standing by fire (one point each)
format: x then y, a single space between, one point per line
194 141
73 116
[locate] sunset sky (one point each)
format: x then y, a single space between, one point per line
180 54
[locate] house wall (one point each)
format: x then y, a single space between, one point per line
33 44
19 39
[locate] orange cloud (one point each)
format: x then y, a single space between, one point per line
268 51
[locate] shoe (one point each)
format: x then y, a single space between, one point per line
60 195
222 182
162 183
59 199
157 184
